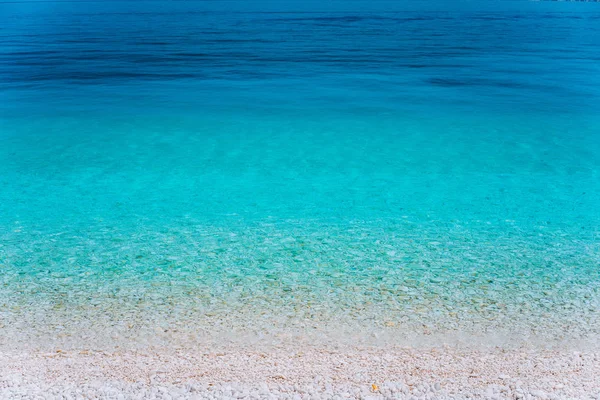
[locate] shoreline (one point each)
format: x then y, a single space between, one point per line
302 372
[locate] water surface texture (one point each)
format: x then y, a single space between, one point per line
171 175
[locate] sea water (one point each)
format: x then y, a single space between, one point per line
173 174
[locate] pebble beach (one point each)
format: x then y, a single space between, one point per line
302 373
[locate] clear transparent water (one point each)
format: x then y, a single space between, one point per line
174 174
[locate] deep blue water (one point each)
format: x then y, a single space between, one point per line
433 168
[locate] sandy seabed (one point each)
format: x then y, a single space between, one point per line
301 372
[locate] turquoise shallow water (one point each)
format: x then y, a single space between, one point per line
175 176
